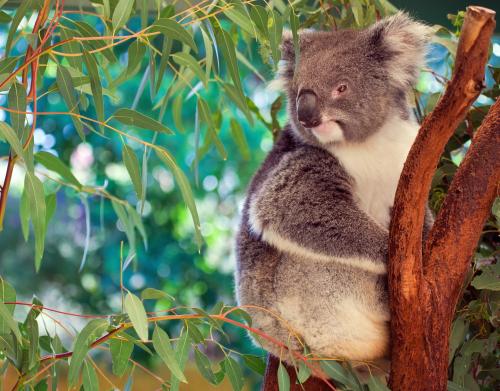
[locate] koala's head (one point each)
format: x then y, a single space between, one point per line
347 83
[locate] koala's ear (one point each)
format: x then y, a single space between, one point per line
287 63
400 43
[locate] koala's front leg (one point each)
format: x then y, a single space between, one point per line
306 207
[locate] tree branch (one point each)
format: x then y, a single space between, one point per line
422 310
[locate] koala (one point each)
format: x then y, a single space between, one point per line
312 246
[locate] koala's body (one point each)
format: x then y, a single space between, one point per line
313 240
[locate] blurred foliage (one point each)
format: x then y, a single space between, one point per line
150 118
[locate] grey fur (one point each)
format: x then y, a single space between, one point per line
303 195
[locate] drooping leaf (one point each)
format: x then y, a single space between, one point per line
187 193
132 165
9 322
185 59
375 384
255 363
81 346
304 373
67 90
172 29
7 133
89 377
204 366
136 220
283 378
95 85
134 118
50 205
154 294
31 330
226 45
339 373
181 355
206 118
121 350
53 163
137 314
7 294
275 34
71 47
36 200
234 373
165 55
86 30
259 17
17 102
238 14
21 12
121 13
161 343
136 52
240 139
209 53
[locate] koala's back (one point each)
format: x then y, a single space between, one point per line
336 310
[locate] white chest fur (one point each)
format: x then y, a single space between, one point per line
376 164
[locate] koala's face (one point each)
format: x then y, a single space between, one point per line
347 83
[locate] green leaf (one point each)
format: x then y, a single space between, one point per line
234 373
17 102
81 346
53 163
240 139
122 13
203 365
164 57
9 322
154 294
7 294
181 355
283 378
89 377
36 200
187 193
375 384
239 15
206 117
239 100
87 30
121 351
132 165
31 328
134 118
22 11
50 205
136 220
259 17
4 18
71 47
228 50
255 363
209 53
137 314
294 27
8 64
339 373
304 373
7 133
185 59
275 34
95 85
67 90
488 279
161 343
170 28
136 52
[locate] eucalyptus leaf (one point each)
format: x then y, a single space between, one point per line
132 165
134 118
172 29
17 102
36 200
81 346
137 314
67 90
121 13
95 85
89 377
53 163
121 350
161 342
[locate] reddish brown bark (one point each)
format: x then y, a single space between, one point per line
424 285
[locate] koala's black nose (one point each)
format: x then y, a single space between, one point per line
308 112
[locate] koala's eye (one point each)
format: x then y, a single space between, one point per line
341 88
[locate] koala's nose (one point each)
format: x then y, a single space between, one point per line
308 112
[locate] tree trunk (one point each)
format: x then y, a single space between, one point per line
425 278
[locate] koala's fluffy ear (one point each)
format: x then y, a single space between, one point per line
399 42
287 63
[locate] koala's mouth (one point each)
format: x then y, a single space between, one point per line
328 131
